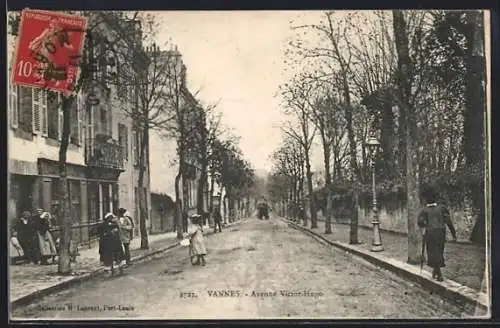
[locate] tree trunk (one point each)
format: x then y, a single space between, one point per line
201 190
404 88
143 211
328 182
312 205
185 199
353 233
211 196
64 265
178 205
473 141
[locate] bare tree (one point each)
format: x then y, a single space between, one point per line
296 96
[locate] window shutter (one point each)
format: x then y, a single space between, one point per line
61 122
44 114
79 114
36 102
13 105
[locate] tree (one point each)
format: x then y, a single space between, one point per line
296 96
336 53
404 83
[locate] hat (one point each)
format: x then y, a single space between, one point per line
109 216
45 215
26 213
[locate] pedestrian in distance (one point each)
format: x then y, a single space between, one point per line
434 218
110 245
197 242
126 231
24 231
217 219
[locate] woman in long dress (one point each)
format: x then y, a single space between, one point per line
110 245
197 242
46 244
434 218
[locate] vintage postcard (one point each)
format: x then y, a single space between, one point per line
249 164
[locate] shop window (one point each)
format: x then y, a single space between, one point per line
55 205
75 196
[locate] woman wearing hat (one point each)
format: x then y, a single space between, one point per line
46 245
434 218
110 245
197 242
24 231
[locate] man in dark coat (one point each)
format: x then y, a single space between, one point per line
24 229
434 218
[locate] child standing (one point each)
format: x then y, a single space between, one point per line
198 242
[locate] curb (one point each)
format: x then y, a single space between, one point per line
29 298
458 294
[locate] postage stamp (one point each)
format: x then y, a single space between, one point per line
48 50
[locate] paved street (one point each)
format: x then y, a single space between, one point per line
254 257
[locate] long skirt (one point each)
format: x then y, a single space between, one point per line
111 250
46 245
435 240
198 244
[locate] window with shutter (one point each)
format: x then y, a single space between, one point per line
74 123
44 115
60 122
36 104
80 112
53 104
14 105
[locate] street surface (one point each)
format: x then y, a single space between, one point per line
256 269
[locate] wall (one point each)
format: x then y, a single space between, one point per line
395 219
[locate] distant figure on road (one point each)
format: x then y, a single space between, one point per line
434 218
301 214
197 242
217 219
110 245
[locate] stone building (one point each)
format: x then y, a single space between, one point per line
102 166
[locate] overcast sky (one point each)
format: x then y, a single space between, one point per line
236 58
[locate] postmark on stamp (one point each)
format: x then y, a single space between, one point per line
49 47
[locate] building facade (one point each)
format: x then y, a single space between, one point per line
164 161
101 163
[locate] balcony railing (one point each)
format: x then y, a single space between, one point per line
105 152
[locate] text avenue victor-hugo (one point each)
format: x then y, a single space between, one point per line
255 293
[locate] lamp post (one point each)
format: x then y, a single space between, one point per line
373 146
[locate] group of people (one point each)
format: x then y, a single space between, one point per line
31 234
115 234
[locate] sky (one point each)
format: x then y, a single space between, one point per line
236 59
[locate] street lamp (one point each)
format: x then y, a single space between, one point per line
373 146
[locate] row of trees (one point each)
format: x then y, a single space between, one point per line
413 79
121 63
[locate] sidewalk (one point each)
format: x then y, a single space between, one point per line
465 263
29 281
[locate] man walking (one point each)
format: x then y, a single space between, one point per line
126 231
217 219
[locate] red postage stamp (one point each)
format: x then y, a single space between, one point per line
49 49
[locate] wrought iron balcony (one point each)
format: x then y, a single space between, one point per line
105 152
